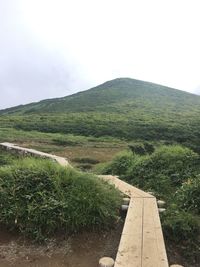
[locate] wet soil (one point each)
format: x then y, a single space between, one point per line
176 256
79 250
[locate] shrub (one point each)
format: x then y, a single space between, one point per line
64 142
5 158
84 166
102 168
137 149
182 228
175 163
39 197
162 172
142 149
180 225
121 163
149 148
85 160
188 196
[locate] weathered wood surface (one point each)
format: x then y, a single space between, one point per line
125 188
130 247
142 243
153 249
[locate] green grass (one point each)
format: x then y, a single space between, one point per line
39 198
6 158
58 139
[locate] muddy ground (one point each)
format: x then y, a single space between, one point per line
80 250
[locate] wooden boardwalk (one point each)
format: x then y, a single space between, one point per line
33 152
142 243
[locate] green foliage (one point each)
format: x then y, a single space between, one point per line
162 171
85 160
102 168
137 149
180 225
142 149
13 135
121 163
188 195
63 142
149 148
183 228
5 158
165 169
39 197
123 108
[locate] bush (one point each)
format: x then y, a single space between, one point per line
142 149
121 163
84 166
137 149
180 225
175 163
85 160
163 171
102 168
182 228
5 158
64 142
39 197
188 196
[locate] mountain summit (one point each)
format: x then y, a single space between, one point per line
114 96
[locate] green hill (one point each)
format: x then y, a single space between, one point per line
114 96
124 108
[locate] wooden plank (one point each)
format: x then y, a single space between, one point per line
130 247
161 250
153 252
149 251
63 162
126 188
122 186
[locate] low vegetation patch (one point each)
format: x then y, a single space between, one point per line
39 197
6 158
85 160
188 195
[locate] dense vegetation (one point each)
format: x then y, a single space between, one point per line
172 173
39 198
123 108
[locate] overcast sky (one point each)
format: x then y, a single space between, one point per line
52 48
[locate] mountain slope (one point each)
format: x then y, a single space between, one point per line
123 108
110 96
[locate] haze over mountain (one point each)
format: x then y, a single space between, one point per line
123 108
